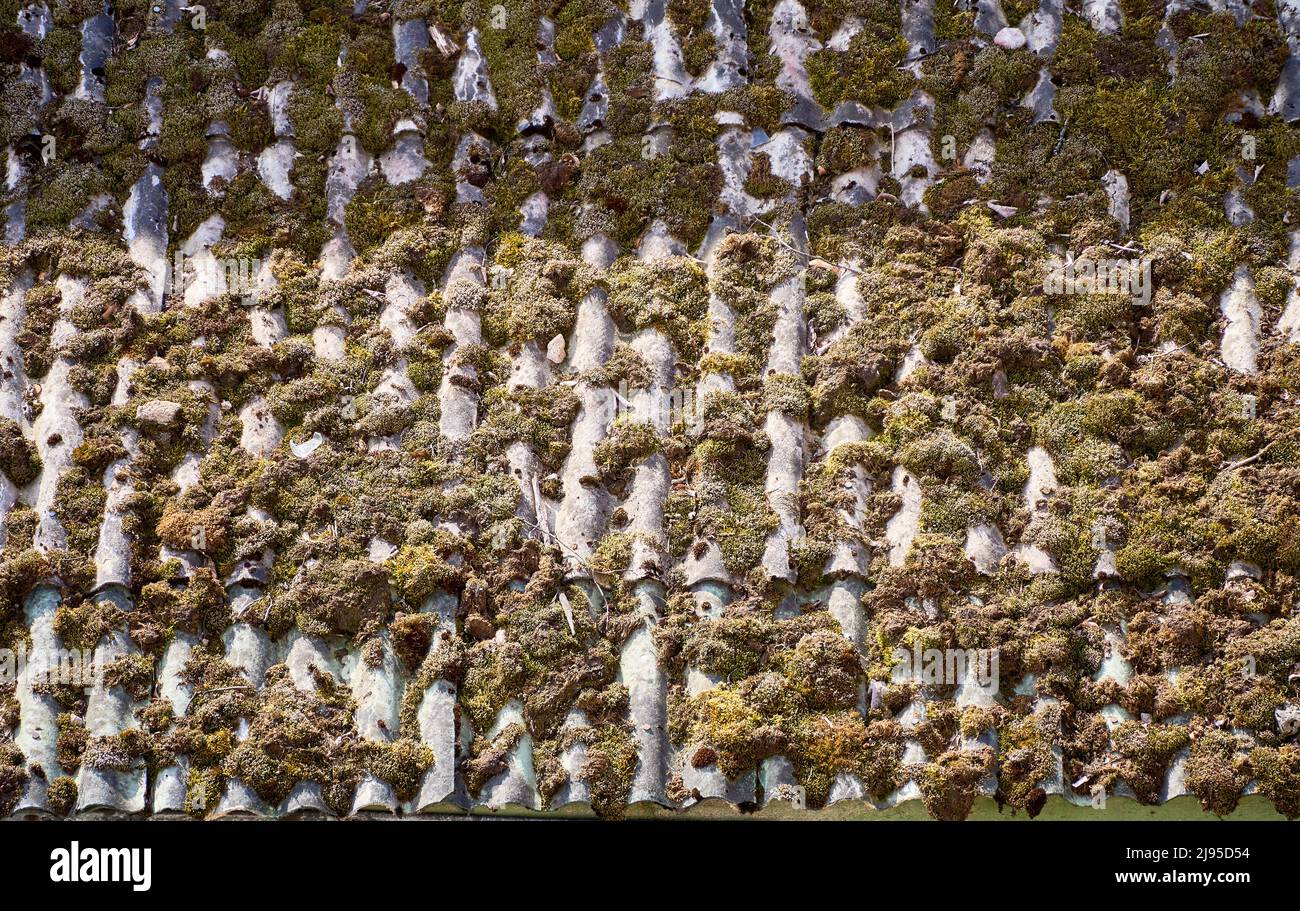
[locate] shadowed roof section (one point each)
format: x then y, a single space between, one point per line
560 407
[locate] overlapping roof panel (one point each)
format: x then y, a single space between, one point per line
545 406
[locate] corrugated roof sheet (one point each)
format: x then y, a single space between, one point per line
538 406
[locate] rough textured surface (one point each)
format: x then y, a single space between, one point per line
570 406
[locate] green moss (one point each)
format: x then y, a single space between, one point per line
62 795
1217 770
488 758
61 191
202 605
292 736
761 182
540 296
613 554
422 569
1146 751
625 366
134 673
123 752
18 457
346 597
787 687
317 121
847 148
868 70
787 394
627 444
72 741
377 211
949 784
628 187
538 417
576 21
760 104
611 763
1026 760
670 295
731 460
940 454
1231 61
13 777
259 221
1277 770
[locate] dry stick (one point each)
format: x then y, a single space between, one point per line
1250 460
577 557
220 689
1127 248
917 59
812 260
1060 139
1174 350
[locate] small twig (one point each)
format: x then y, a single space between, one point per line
1127 248
807 256
917 59
1060 139
1173 350
221 689
1249 460
578 559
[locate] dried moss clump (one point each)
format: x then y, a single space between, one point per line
18 457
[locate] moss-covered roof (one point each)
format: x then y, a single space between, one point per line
550 406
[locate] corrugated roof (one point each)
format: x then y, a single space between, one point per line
558 406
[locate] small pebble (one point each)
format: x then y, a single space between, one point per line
1011 39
